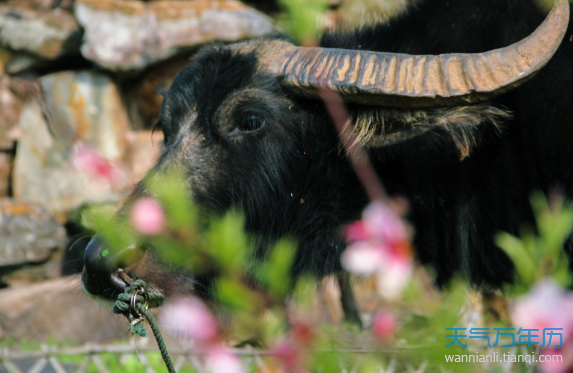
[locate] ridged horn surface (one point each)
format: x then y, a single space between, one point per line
402 80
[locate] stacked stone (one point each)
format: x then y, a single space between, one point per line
85 74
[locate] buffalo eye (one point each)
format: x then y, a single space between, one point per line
249 123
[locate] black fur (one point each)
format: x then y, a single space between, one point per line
291 179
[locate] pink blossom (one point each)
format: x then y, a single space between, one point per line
100 170
288 355
291 357
546 306
380 222
384 325
380 245
147 216
393 278
556 360
302 333
220 360
356 231
363 258
189 317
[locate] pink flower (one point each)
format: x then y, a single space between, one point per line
363 258
291 357
100 170
220 360
384 325
546 306
302 333
381 223
393 278
288 355
356 231
189 317
556 360
380 245
147 216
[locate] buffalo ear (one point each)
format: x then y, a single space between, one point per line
375 127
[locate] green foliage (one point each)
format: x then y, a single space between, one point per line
171 189
304 18
424 328
235 295
117 235
275 273
229 244
263 306
538 252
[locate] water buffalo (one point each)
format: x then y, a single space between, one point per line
465 107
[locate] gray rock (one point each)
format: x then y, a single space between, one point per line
11 106
28 233
50 34
143 98
24 61
5 172
57 309
79 109
130 35
144 148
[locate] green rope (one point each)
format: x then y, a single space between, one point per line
123 306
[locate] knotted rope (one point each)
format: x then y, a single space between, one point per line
132 303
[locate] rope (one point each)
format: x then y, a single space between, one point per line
132 303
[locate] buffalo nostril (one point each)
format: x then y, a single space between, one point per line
100 268
96 257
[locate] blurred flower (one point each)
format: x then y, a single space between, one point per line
220 360
103 172
394 277
382 223
384 325
302 333
291 357
379 244
288 355
557 360
363 258
189 317
547 305
147 216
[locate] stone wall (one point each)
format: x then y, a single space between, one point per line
83 74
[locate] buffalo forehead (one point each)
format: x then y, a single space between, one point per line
211 76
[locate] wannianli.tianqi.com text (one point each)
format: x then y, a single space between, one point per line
507 357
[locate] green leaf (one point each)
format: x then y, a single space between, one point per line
521 257
304 292
235 295
180 254
229 244
172 190
304 19
116 233
277 271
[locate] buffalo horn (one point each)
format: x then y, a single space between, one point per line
402 80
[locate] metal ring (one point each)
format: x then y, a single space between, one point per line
132 305
133 301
